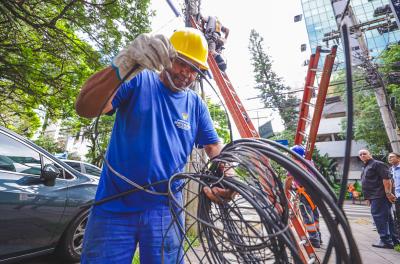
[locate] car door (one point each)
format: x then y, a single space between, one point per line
29 210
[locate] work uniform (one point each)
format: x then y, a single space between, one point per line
212 32
310 215
154 133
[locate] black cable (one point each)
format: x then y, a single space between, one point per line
223 229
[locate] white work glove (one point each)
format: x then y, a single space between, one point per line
152 52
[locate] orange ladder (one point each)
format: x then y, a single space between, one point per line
246 130
304 116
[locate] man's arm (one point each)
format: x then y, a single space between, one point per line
213 150
387 183
226 32
145 51
95 92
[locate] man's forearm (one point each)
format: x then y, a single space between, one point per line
213 150
387 185
95 92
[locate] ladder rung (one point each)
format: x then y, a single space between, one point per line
306 119
309 104
314 69
312 87
303 134
302 242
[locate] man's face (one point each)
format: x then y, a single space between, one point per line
364 155
182 74
393 159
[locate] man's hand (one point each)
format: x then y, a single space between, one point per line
219 195
151 52
391 197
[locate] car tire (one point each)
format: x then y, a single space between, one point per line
70 245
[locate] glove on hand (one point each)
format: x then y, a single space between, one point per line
151 52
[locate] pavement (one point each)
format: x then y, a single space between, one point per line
363 231
361 224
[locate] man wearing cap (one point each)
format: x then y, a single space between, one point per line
158 122
308 209
377 190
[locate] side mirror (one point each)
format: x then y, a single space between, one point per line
49 174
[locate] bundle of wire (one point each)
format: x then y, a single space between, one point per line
253 227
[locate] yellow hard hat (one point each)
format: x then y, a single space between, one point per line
191 43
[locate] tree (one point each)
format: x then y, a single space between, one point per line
220 120
49 144
274 93
368 124
326 166
391 69
49 47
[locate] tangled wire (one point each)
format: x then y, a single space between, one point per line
253 227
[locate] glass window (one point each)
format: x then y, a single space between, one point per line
17 157
92 170
75 165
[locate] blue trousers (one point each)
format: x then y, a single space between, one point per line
381 210
113 237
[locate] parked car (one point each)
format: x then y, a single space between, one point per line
42 202
84 167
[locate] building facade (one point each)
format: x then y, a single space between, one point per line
375 15
330 139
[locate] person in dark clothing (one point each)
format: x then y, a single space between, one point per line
377 189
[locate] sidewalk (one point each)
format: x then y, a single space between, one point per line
365 236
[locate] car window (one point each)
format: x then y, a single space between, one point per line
17 157
92 170
75 165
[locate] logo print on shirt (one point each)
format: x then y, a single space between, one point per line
183 123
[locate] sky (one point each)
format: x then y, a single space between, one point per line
273 20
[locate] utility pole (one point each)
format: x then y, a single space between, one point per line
362 59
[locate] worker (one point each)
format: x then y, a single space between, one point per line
308 209
158 121
351 189
213 30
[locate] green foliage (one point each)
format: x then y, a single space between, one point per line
326 166
85 127
287 134
49 144
389 57
136 258
272 90
397 248
219 118
368 124
48 48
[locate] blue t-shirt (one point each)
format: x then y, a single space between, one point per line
154 133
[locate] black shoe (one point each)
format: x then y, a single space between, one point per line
380 244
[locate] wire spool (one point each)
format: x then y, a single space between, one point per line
253 227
